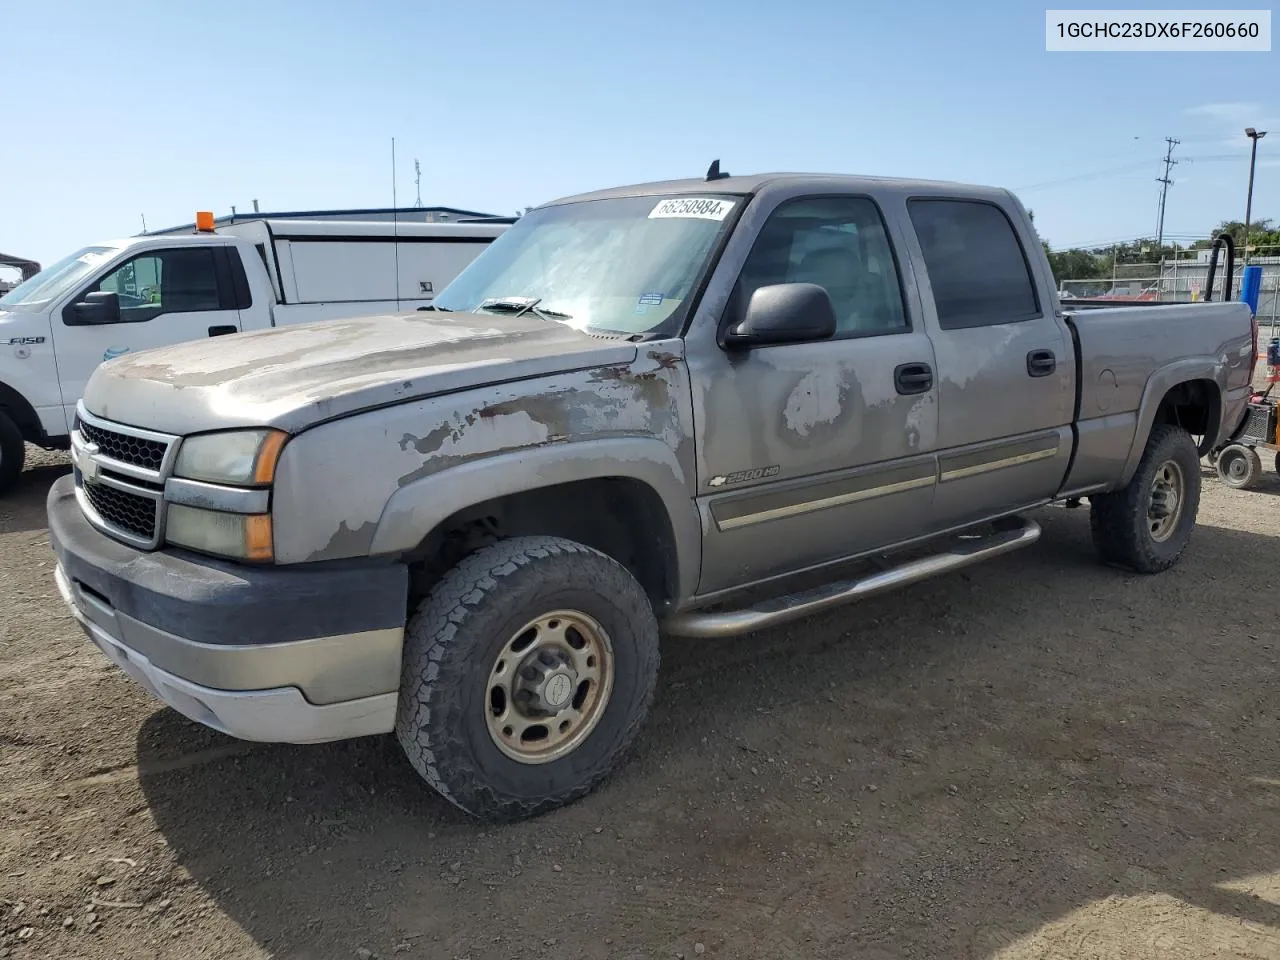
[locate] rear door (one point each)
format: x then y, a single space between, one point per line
166 296
1006 366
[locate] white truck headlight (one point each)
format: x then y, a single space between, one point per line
242 536
241 457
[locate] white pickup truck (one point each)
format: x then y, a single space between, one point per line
154 290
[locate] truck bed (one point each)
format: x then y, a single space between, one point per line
1121 358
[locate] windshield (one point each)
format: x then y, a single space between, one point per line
627 265
55 280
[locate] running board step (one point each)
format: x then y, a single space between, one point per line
793 606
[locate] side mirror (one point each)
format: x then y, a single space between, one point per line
784 313
95 308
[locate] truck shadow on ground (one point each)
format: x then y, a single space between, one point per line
939 772
22 507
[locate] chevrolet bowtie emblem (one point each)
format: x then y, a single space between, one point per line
89 466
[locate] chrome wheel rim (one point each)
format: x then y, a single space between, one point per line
1164 509
549 686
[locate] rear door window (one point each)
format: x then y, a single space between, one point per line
977 267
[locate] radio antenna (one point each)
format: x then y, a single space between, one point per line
395 221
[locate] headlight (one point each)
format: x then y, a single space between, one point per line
243 536
243 457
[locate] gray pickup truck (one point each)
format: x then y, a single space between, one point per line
698 407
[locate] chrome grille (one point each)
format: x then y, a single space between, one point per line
135 451
120 474
123 510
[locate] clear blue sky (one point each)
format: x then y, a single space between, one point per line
166 107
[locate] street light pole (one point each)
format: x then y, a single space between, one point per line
1255 136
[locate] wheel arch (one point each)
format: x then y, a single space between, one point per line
624 496
1188 394
19 409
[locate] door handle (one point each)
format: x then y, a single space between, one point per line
911 378
222 329
1041 363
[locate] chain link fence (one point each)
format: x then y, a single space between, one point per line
1181 281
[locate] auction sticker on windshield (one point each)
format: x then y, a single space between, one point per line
699 208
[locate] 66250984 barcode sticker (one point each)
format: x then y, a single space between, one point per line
699 208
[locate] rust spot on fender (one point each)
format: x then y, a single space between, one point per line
347 542
664 359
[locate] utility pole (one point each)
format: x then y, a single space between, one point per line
1255 136
1165 183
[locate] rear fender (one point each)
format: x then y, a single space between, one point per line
1158 386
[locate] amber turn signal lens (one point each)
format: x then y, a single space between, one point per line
257 537
264 470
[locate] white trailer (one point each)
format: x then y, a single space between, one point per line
154 290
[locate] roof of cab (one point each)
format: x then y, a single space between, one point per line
759 182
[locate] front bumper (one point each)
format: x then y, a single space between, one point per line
293 655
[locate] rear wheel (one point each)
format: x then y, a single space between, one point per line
528 671
1239 466
13 452
1146 526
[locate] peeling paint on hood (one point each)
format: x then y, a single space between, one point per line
292 377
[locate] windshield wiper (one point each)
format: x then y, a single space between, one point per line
519 306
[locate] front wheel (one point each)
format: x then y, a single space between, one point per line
1146 525
1239 467
527 672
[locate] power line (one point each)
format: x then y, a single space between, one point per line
1083 176
1180 238
1165 183
1127 168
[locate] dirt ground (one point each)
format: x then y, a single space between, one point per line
1036 758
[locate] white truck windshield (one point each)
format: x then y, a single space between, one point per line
56 279
627 265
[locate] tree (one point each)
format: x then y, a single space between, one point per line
1260 234
1075 264
1099 262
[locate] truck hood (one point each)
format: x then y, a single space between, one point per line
23 323
23 332
295 376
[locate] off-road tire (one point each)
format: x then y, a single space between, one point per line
13 453
1239 467
452 641
1119 522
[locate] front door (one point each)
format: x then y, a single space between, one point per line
810 452
166 296
1006 365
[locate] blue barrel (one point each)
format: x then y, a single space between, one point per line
1250 287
